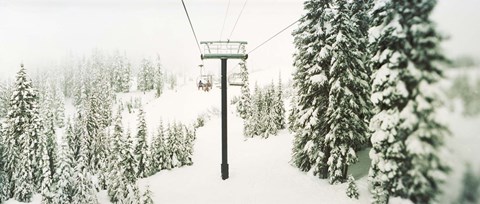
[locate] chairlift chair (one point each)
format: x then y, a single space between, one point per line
206 82
235 79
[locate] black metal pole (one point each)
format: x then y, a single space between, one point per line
224 121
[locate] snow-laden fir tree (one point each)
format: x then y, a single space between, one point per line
352 189
132 194
23 185
59 107
292 114
65 175
312 60
159 80
48 151
145 79
279 106
5 94
37 137
128 158
102 153
268 112
243 105
147 196
252 123
189 137
122 176
349 107
85 190
115 168
47 185
175 146
72 138
86 127
3 173
141 147
51 145
408 139
121 73
257 121
159 150
20 139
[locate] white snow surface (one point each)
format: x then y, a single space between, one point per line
260 169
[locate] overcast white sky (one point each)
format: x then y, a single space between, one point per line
41 32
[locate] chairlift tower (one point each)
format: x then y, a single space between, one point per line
224 50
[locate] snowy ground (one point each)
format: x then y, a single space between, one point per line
260 171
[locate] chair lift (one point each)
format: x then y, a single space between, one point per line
205 82
235 79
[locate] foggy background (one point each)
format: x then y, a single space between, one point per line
41 33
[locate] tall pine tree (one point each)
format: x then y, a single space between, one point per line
243 105
65 175
159 149
3 173
21 139
348 110
407 139
141 148
279 106
312 60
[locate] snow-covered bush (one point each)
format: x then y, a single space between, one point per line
352 189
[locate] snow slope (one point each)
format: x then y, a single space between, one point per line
260 171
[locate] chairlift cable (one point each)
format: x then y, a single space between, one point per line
275 35
238 18
224 20
191 26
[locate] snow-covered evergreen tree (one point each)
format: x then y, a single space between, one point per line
256 122
3 174
141 148
352 189
243 105
279 106
268 112
47 151
51 145
103 160
115 168
175 146
159 79
72 138
36 146
21 139
159 150
5 94
408 139
85 191
348 110
65 175
59 107
189 138
147 196
292 115
145 79
312 60
132 194
128 160
121 73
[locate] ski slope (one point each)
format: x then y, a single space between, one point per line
260 171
